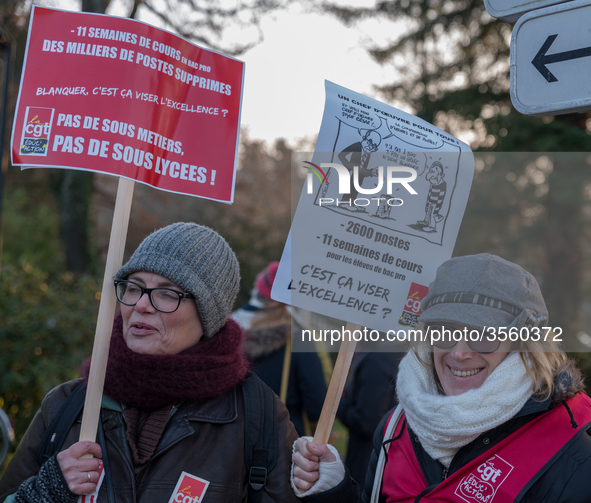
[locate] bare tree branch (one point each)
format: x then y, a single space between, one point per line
208 22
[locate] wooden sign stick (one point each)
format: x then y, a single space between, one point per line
335 388
104 326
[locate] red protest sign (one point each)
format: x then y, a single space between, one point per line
118 96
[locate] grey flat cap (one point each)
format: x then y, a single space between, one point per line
484 291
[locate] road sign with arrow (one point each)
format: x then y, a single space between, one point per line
551 60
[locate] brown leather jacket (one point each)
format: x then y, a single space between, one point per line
205 440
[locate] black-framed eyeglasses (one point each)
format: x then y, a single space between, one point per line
165 300
446 337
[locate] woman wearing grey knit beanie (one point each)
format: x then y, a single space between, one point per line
491 410
182 417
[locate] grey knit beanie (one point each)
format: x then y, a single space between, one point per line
199 261
484 291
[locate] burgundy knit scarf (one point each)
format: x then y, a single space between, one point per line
208 369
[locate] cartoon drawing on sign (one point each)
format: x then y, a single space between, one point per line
392 172
359 154
435 198
385 205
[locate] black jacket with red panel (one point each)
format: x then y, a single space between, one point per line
205 440
564 478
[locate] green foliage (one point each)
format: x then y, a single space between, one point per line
31 233
48 315
47 330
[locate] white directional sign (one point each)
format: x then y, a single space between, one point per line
512 10
551 60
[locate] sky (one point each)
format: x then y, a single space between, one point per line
284 83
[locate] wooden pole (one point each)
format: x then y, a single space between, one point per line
104 326
335 388
285 371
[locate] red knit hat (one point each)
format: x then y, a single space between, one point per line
264 281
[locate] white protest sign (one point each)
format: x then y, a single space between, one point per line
366 242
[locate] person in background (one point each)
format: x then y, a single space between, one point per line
269 327
480 418
173 407
368 395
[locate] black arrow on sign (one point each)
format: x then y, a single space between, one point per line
541 60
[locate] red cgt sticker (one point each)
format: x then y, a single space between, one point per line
36 131
412 306
189 489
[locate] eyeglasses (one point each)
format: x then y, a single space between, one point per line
165 300
446 337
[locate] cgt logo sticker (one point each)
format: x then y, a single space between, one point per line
482 484
412 306
189 489
36 131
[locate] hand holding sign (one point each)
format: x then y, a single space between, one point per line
143 104
368 235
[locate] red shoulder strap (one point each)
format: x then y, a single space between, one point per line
403 479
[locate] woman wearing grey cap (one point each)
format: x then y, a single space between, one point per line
178 390
481 419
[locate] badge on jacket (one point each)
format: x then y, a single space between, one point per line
483 483
189 489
